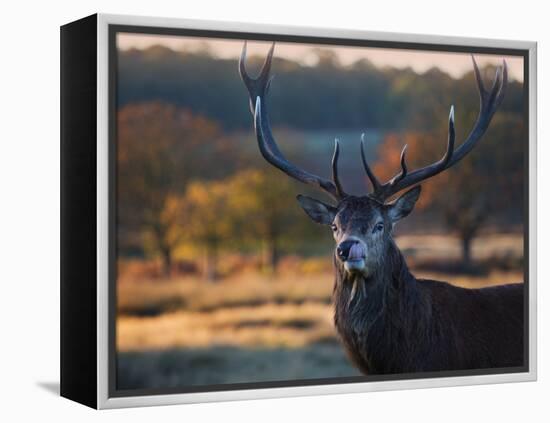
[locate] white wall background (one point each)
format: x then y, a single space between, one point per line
29 235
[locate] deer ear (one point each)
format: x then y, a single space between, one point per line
317 210
404 204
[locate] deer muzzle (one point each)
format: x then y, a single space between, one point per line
352 253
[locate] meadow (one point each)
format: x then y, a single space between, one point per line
254 326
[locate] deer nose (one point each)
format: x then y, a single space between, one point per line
344 248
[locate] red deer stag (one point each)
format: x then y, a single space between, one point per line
388 320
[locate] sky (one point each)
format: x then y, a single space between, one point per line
455 64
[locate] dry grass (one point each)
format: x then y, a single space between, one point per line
256 312
445 247
151 297
265 326
252 310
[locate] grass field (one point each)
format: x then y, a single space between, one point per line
255 327
211 366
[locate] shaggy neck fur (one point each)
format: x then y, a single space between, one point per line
383 320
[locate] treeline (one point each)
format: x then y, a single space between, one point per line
327 95
184 184
191 181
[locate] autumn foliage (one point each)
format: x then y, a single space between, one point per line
477 190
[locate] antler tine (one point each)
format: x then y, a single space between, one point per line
376 185
479 79
403 166
264 72
260 85
495 89
450 137
403 181
335 177
503 85
489 104
257 90
242 68
266 67
491 99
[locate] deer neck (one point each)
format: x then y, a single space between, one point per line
387 295
372 315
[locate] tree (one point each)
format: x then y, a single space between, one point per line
487 185
160 148
250 209
207 220
265 209
164 232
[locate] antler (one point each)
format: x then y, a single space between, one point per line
257 90
489 102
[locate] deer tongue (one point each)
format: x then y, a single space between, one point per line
356 252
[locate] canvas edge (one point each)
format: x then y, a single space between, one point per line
103 400
533 167
78 281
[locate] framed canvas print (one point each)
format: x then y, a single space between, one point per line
254 211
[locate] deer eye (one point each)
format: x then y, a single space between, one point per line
378 227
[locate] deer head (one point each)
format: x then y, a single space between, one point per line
362 225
